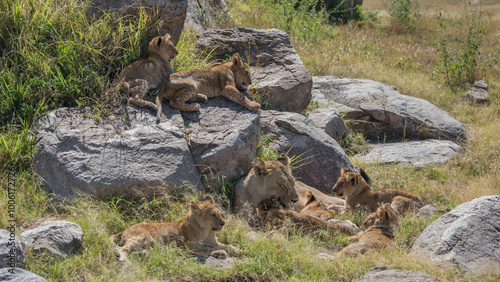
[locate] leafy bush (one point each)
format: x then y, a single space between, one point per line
403 10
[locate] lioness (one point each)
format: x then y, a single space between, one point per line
196 231
272 212
379 234
356 191
136 78
196 85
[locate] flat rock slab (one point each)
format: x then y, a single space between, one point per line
322 157
219 264
386 274
376 109
416 153
222 137
11 250
58 238
75 155
19 275
469 236
278 71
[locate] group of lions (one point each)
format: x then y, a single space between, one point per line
269 192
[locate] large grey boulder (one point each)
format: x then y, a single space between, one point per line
386 274
416 153
173 12
203 14
278 72
77 155
223 138
57 238
322 157
330 120
469 236
11 250
19 275
382 110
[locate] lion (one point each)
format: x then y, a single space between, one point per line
332 204
380 234
197 85
356 191
140 76
196 231
272 212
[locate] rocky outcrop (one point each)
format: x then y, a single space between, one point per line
330 120
386 274
57 238
469 236
203 14
416 153
19 275
378 109
11 250
222 137
77 155
479 93
320 156
277 71
173 12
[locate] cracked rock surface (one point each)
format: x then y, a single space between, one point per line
469 236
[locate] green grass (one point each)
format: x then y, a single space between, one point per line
53 56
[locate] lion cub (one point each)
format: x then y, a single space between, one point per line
356 191
271 212
197 85
136 78
380 233
196 231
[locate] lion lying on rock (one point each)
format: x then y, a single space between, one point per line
224 79
136 78
380 234
356 191
272 212
196 231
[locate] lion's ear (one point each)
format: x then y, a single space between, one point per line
208 198
274 198
344 170
194 207
261 214
283 158
237 60
309 197
259 166
167 36
158 41
354 180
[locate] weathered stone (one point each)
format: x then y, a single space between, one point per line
58 238
480 84
203 14
278 72
427 211
321 157
386 274
19 275
11 250
219 264
173 12
416 153
479 92
330 120
222 137
75 155
384 111
469 236
325 256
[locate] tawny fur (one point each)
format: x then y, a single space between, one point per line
356 191
224 79
271 212
379 235
333 204
196 231
140 76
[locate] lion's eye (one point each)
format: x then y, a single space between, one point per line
214 215
283 186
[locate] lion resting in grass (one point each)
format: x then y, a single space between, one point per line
379 235
272 212
197 85
136 78
332 204
196 231
356 191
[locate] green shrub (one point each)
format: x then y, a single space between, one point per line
403 11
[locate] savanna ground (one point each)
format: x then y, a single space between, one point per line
52 56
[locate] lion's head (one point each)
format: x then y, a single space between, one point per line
315 207
163 47
266 206
348 183
267 179
242 78
206 214
384 217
